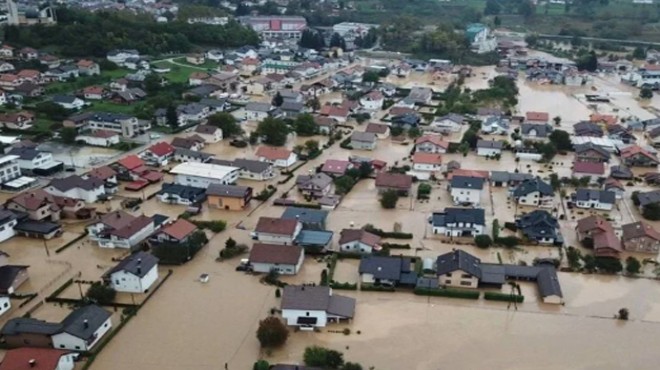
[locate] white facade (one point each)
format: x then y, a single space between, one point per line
427 167
5 304
465 195
444 125
429 147
76 104
282 163
594 204
267 238
89 196
291 317
98 141
7 230
488 152
126 282
211 138
458 279
201 175
116 242
370 103
553 299
67 341
253 115
459 229
9 168
282 269
535 199
42 160
356 246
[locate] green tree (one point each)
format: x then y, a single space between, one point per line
101 293
370 76
274 131
547 150
272 332
323 357
351 366
314 104
651 211
344 184
574 257
483 241
635 198
609 265
470 137
365 170
396 130
304 125
414 132
227 123
588 62
496 229
171 117
639 53
52 110
532 39
152 83
555 182
68 134
633 266
261 365
589 262
557 120
492 7
312 146
337 41
278 100
623 314
389 198
561 139
497 21
645 93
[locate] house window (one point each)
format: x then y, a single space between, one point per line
61 345
466 276
447 281
306 313
466 283
448 274
77 347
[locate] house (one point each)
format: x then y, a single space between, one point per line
640 237
387 271
537 117
12 277
585 128
229 197
380 130
620 133
534 192
119 56
589 152
420 95
7 223
495 125
5 305
83 328
593 170
29 358
6 67
90 189
128 236
466 190
606 119
363 140
339 113
187 155
194 143
506 179
88 67
38 204
158 154
597 233
458 269
541 227
614 186
310 307
109 221
198 78
255 111
202 175
177 232
27 89
336 167
314 186
30 75
373 100
326 125
277 231
133 274
285 259
291 109
649 197
6 51
636 156
489 148
394 181
181 194
279 157
28 332
358 241
210 134
311 219
447 124
621 173
126 125
533 131
595 199
431 144
103 138
459 222
18 121
68 102
192 113
9 168
428 163
249 169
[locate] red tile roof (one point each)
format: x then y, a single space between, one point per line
104 134
468 173
278 226
365 237
433 139
537 116
161 149
131 162
589 167
427 158
179 229
33 199
273 153
102 173
336 166
394 180
97 90
377 128
86 63
44 359
277 254
398 111
633 150
606 118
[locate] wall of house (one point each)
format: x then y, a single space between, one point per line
67 362
361 145
129 283
20 278
89 196
173 199
28 340
5 304
275 239
7 230
355 247
553 299
594 204
429 148
267 267
458 279
68 341
488 152
204 182
291 317
232 204
472 196
427 167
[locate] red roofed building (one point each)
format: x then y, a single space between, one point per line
127 236
285 259
599 233
640 237
393 181
339 113
28 358
277 230
159 154
278 156
427 162
178 231
93 93
431 144
372 100
336 167
88 67
358 241
593 170
636 156
603 118
537 117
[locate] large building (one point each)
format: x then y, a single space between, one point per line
275 26
201 175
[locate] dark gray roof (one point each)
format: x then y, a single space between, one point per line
621 172
74 181
314 238
493 144
341 306
454 215
382 267
504 176
232 191
83 322
37 227
541 130
8 274
6 216
580 148
203 90
649 197
191 193
466 182
25 153
458 260
586 128
192 154
493 274
138 264
602 196
258 107
305 215
367 137
249 165
317 298
538 224
64 99
532 185
20 325
548 282
292 106
109 117
319 180
213 103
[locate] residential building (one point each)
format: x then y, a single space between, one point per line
12 277
279 157
373 100
134 274
89 189
119 56
129 236
508 179
387 271
539 226
459 222
481 38
534 192
104 138
29 358
495 125
249 169
277 26
88 68
314 306
311 219
68 102
83 328
394 181
640 237
28 332
124 124
17 120
229 197
194 143
426 163
177 232
314 186
636 156
358 241
466 190
158 154
255 111
210 134
586 128
447 124
285 259
336 167
363 140
614 186
35 162
535 131
181 194
595 199
9 168
458 269
38 204
537 117
621 173
202 175
420 95
7 223
489 148
277 231
589 152
187 155
381 131
597 233
592 170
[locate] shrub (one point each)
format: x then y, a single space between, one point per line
483 241
508 241
261 365
272 332
376 288
343 286
231 252
323 357
387 234
389 198
623 314
101 293
216 226
633 266
395 246
450 293
265 194
496 296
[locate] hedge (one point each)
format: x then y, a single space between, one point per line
376 288
503 297
395 246
347 255
343 286
215 226
72 242
388 234
450 293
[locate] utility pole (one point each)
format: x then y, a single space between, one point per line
46 248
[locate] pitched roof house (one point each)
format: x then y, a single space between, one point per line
358 241
393 181
277 231
285 259
314 306
640 237
541 227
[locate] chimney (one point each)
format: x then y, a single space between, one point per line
139 270
139 261
86 324
32 362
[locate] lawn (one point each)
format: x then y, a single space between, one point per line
82 82
179 73
108 106
208 64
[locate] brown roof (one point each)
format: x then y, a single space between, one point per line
606 244
398 111
29 73
593 224
179 229
86 63
117 219
44 359
93 90
427 158
33 200
394 180
634 150
278 226
639 229
335 166
206 129
199 75
132 228
606 118
377 128
433 139
594 168
279 254
273 153
365 237
537 116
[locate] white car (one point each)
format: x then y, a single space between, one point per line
154 136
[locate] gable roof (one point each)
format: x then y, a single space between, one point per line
639 229
594 168
138 264
335 166
44 359
537 116
458 260
161 149
589 146
394 180
603 196
229 191
275 254
317 298
206 129
635 150
305 215
592 224
475 216
116 219
366 137
384 267
273 153
433 139
84 321
467 182
491 144
377 128
426 158
533 185
132 228
179 229
585 128
541 130
269 225
131 162
19 325
65 184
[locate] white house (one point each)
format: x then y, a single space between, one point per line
495 125
358 241
68 102
372 100
9 168
250 169
34 162
5 304
595 199
466 190
83 328
255 111
425 164
88 189
458 269
285 259
210 134
120 56
489 148
459 222
134 274
201 175
277 231
7 223
279 157
447 124
121 230
534 192
431 144
104 138
310 307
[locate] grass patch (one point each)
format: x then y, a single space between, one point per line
450 293
177 72
108 106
